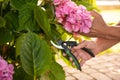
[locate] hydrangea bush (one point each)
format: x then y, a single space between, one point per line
74 18
6 70
26 28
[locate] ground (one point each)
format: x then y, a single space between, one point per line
103 67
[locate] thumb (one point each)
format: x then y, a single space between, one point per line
80 45
95 14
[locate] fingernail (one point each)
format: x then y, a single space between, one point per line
64 54
70 59
73 63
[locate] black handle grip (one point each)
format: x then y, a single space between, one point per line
73 43
69 44
88 51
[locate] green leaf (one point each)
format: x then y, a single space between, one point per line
20 73
26 18
1 0
6 35
19 3
56 68
2 22
56 73
32 1
47 76
35 54
5 5
42 20
50 11
44 77
65 36
54 32
28 77
12 21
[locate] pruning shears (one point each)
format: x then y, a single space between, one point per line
66 46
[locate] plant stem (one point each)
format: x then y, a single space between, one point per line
0 8
35 78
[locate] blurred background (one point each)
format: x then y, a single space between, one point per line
110 10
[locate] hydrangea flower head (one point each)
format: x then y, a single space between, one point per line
58 2
73 18
6 70
3 64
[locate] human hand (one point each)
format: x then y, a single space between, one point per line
118 24
82 55
98 26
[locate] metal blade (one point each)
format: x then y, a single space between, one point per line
57 46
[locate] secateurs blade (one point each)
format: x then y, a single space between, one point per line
66 46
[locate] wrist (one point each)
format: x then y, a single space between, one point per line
106 32
96 51
102 32
98 46
111 33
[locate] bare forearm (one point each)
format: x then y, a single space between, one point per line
106 32
104 44
112 33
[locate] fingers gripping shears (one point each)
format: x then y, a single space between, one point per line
66 46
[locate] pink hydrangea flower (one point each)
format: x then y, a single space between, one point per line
73 18
6 70
3 64
58 2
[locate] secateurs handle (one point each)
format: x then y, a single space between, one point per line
69 44
73 43
68 52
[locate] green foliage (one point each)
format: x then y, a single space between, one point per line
17 4
26 18
20 73
42 20
12 21
57 70
33 54
50 11
2 22
6 35
51 75
25 33
1 0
